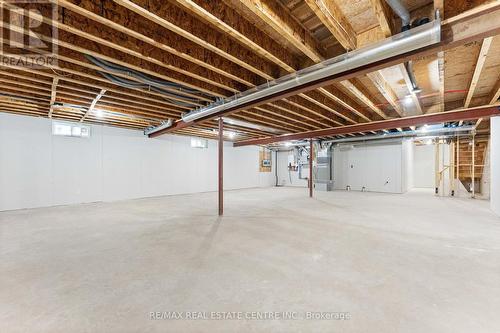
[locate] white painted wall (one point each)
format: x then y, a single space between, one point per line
376 167
408 164
38 169
423 167
495 165
486 177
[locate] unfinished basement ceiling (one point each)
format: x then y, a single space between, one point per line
200 51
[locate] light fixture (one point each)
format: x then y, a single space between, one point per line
424 128
99 113
428 142
407 101
288 144
229 134
164 124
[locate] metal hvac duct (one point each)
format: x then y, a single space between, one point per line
400 11
431 131
165 124
405 17
401 43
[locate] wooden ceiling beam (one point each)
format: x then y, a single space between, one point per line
305 104
97 69
229 21
279 18
175 19
141 51
105 53
282 21
155 36
483 53
332 17
345 101
356 91
289 113
244 117
476 24
495 93
300 110
129 105
23 107
323 102
279 117
386 90
384 16
386 28
107 84
207 16
80 11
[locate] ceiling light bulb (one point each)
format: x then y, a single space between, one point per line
407 101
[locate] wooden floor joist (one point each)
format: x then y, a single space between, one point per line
215 49
469 27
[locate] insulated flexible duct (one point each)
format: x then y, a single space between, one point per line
145 81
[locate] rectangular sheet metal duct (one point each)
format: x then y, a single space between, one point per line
401 43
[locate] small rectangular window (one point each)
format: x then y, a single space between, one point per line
68 129
199 143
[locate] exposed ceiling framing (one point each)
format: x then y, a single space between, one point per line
214 49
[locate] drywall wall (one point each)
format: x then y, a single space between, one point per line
495 165
486 176
375 167
38 169
371 167
408 164
423 167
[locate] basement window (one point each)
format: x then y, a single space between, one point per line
73 130
199 143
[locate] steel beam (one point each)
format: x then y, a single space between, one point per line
311 154
434 118
221 166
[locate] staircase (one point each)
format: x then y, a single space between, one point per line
464 163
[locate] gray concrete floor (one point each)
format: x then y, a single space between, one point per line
394 263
